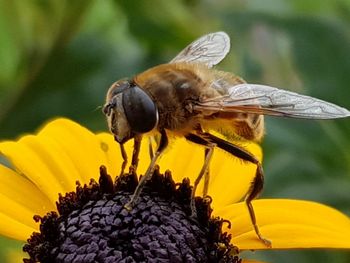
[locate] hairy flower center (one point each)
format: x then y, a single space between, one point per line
94 226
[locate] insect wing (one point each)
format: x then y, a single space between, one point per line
266 100
209 49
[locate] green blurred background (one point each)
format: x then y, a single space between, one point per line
58 58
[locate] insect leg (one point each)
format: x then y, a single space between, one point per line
200 130
204 171
150 146
136 151
161 147
206 175
124 156
257 184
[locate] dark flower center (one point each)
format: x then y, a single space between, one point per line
93 225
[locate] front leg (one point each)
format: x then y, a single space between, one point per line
125 158
135 154
162 145
136 151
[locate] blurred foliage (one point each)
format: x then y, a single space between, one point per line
58 58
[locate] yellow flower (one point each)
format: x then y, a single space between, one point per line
40 166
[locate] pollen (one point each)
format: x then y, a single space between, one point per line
104 146
92 225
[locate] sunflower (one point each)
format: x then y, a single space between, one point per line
39 175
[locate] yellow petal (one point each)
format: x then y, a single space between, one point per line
112 153
60 154
111 150
288 224
32 165
185 159
17 211
57 170
81 146
15 229
19 189
230 177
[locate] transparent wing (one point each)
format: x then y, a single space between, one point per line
266 100
209 49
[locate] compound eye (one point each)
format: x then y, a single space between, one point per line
140 110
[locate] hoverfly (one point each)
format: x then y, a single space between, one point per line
186 97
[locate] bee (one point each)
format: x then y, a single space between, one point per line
187 97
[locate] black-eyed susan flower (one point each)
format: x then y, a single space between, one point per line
87 222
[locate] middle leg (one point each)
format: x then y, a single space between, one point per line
206 175
204 171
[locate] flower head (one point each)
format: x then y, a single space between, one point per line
40 167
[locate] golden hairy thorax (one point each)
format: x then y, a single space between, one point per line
175 86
